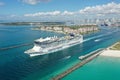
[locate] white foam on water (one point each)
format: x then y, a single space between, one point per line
108 33
97 40
67 57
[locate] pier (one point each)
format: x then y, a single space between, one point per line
16 46
88 55
80 64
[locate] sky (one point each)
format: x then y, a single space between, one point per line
58 10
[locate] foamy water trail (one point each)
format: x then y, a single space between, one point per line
108 33
97 40
93 38
66 57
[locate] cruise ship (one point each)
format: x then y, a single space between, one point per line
53 44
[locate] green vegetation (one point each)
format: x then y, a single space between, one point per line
77 29
76 26
116 46
81 26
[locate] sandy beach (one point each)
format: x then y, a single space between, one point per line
111 53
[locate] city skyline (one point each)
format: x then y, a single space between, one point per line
58 10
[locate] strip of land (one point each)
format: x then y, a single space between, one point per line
77 29
112 51
59 27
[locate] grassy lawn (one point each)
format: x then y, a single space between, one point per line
116 46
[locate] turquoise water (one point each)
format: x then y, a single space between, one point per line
101 68
15 65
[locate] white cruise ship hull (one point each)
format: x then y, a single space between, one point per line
37 50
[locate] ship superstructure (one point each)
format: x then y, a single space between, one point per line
53 44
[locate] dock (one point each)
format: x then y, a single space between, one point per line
87 55
16 46
80 64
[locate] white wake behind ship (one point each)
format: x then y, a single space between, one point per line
53 44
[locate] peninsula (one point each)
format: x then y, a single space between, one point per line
77 29
59 27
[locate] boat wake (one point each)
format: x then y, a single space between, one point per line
97 40
66 57
108 33
93 38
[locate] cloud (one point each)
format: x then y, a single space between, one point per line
1 3
53 13
110 8
68 13
99 10
34 2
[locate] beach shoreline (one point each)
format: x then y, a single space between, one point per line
112 51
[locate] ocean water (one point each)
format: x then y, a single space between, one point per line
15 65
101 68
